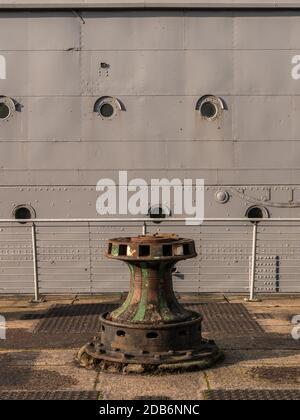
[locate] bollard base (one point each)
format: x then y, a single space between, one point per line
143 348
207 355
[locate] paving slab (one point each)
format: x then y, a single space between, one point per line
38 358
185 386
46 378
254 377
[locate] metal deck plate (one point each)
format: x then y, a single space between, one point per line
49 395
226 318
81 318
84 318
253 394
263 316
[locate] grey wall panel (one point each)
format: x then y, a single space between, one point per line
138 72
39 31
284 155
103 156
261 118
38 73
264 73
150 30
209 30
70 118
267 30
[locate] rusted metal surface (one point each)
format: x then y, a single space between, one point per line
150 329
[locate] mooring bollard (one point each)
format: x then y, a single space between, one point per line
151 330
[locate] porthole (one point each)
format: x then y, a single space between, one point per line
158 212
23 212
4 111
7 108
210 107
208 110
107 107
257 212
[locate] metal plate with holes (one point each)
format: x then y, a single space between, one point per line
84 318
49 395
253 394
79 318
227 318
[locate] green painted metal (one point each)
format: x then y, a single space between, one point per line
141 311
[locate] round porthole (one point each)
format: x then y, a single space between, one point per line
208 110
106 110
4 111
23 212
257 212
107 107
7 108
158 212
210 107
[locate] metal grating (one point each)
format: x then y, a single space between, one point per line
228 318
84 318
49 395
81 318
263 316
253 394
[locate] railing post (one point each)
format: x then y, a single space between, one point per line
253 265
37 298
144 228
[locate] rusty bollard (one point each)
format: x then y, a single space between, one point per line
151 331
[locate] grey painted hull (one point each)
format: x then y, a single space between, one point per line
55 148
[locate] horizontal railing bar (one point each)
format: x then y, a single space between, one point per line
148 220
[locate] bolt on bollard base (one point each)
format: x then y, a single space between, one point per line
150 331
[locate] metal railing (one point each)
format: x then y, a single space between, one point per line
144 224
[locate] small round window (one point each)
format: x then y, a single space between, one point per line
208 110
7 108
257 212
210 107
23 212
158 212
106 110
107 107
4 111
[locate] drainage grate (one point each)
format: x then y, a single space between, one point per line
263 316
81 318
220 318
253 394
49 395
227 318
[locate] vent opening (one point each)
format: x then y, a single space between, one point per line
257 212
144 250
167 250
122 250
